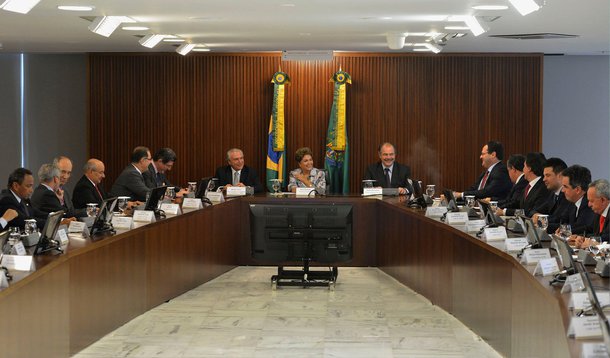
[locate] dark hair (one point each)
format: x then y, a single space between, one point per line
535 161
139 153
302 152
17 176
516 161
166 155
494 146
383 145
557 164
578 176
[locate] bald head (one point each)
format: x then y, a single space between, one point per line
94 170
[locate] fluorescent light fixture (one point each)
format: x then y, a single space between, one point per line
525 6
457 28
134 28
75 8
433 48
105 25
151 40
201 49
490 7
184 49
173 40
421 50
20 6
474 25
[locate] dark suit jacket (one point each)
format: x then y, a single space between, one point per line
45 200
155 179
85 193
400 176
8 201
581 224
247 176
515 194
555 209
497 186
130 183
534 202
604 232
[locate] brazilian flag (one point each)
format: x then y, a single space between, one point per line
337 147
276 148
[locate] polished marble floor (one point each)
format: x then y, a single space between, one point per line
238 315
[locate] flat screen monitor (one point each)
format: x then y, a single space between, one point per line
531 232
565 253
3 239
595 305
451 203
155 197
49 230
104 215
490 217
299 232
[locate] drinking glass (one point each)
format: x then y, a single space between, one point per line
543 221
565 230
122 203
275 185
519 212
367 183
91 209
430 190
170 193
192 187
493 206
470 201
14 236
30 226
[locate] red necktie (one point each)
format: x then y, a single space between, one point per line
98 192
602 220
484 180
527 190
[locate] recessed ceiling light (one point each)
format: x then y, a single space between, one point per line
75 8
20 6
134 28
422 50
457 28
173 40
151 40
490 7
184 49
200 49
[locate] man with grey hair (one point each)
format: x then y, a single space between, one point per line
64 164
88 189
598 195
236 173
45 197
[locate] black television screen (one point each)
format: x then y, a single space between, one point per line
155 197
298 232
451 202
104 215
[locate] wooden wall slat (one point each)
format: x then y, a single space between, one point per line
438 110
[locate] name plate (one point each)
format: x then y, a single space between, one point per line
594 350
495 233
236 191
573 284
63 236
191 203
372 191
580 300
122 222
77 226
436 211
306 192
547 267
516 244
19 263
475 225
460 218
215 196
585 327
171 209
144 216
532 256
20 249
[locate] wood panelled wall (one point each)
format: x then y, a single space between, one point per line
438 110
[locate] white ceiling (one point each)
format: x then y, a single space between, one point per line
272 25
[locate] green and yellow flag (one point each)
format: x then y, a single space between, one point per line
337 147
276 149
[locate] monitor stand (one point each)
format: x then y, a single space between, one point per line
305 278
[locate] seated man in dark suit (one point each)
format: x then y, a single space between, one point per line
575 182
598 195
535 194
163 161
46 197
388 173
494 182
64 164
236 173
557 204
16 197
514 165
88 189
131 181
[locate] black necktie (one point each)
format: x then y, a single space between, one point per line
159 182
25 208
387 177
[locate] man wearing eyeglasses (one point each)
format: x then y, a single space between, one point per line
88 189
131 181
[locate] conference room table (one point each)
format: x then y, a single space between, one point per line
72 300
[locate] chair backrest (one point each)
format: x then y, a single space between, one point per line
327 177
